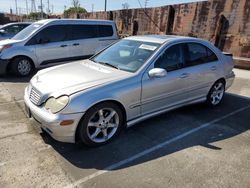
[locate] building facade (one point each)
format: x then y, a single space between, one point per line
225 23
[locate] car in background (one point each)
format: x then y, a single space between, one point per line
10 30
139 77
52 41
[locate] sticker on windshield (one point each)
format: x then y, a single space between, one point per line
36 25
148 47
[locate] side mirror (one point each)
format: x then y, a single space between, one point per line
2 32
157 73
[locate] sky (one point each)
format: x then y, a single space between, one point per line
98 5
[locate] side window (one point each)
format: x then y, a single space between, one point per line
83 31
105 31
198 54
171 59
13 29
55 33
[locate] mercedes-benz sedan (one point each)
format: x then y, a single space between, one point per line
139 77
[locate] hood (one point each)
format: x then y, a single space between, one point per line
74 77
8 41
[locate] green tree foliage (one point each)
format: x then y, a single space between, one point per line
75 9
36 15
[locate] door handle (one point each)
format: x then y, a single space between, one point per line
213 68
184 75
76 44
63 45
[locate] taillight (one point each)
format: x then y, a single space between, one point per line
4 47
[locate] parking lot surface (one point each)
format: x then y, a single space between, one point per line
194 146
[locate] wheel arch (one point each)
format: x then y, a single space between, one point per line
17 56
119 104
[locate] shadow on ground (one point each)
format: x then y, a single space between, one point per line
10 78
159 129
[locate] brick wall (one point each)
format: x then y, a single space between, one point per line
226 23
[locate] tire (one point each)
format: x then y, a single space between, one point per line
216 93
101 124
22 66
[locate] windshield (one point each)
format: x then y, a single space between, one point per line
127 55
27 31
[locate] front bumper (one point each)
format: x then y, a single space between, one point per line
51 122
3 66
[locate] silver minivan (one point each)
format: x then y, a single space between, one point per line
49 42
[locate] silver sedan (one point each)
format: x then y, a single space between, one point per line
139 77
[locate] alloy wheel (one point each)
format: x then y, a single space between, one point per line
102 125
217 93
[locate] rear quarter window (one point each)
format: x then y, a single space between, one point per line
105 30
196 54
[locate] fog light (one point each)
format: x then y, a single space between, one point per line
67 122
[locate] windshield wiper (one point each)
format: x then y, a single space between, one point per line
108 64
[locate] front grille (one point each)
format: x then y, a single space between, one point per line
35 96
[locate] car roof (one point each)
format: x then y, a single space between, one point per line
160 38
68 21
17 23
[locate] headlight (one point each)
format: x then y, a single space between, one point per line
56 105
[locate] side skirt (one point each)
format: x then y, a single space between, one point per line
147 116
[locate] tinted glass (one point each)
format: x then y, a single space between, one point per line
13 29
198 54
127 55
55 33
105 30
50 34
171 59
83 31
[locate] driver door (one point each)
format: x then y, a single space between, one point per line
52 45
168 91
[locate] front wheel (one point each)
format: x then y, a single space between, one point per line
100 124
21 66
216 93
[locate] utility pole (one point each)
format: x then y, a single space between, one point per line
41 9
48 8
92 8
105 8
146 3
27 8
16 7
33 6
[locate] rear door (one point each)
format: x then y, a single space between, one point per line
201 67
84 41
51 44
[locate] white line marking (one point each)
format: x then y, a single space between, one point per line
150 150
2 164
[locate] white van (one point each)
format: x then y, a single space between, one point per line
48 42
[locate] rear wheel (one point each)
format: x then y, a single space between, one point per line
216 93
100 124
22 66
